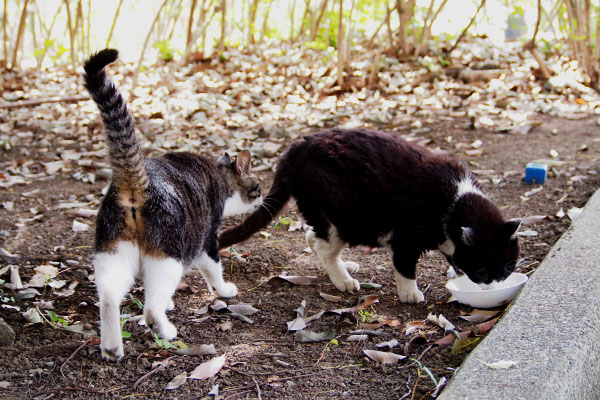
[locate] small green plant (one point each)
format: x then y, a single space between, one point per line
166 345
55 319
124 334
364 315
136 302
333 342
283 221
420 370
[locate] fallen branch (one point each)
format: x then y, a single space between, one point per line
162 366
73 355
37 102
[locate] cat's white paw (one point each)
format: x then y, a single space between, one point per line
350 266
112 350
226 290
412 296
167 331
347 285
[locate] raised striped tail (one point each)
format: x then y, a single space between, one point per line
126 159
271 206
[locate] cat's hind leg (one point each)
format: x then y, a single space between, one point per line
161 277
114 274
328 252
212 271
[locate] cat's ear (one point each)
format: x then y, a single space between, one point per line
468 234
243 162
510 227
224 159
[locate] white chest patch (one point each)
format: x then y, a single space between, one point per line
235 205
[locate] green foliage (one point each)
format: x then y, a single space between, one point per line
55 319
165 50
135 301
332 342
283 221
51 48
364 315
166 345
422 368
124 334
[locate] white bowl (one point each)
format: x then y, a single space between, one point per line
469 293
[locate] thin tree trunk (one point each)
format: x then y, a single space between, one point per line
188 39
531 46
292 19
5 38
388 22
266 21
462 34
19 34
348 44
427 26
71 34
221 45
306 11
145 45
80 27
114 22
252 21
315 28
176 19
405 12
370 43
48 32
340 46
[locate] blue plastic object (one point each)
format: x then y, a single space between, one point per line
535 173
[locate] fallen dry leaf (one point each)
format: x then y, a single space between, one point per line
390 344
242 309
177 381
329 297
383 356
477 315
197 350
441 321
225 326
208 369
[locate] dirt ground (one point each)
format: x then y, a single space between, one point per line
263 359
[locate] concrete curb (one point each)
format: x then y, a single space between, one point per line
551 329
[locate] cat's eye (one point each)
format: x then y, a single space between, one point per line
254 191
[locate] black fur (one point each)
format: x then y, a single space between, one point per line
371 186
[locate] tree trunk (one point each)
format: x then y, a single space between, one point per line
252 21
114 22
315 28
293 9
340 46
462 34
19 34
221 45
405 11
145 45
176 20
188 39
531 46
306 11
266 21
427 26
5 38
71 34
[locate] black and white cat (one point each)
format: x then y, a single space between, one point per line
160 216
359 187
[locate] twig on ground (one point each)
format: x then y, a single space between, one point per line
88 340
37 102
238 394
257 388
164 365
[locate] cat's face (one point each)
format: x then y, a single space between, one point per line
244 188
489 256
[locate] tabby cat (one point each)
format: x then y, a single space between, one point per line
360 187
160 216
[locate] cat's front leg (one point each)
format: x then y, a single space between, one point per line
212 271
405 264
161 277
408 291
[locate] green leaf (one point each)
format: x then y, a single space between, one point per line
370 285
462 345
53 317
125 334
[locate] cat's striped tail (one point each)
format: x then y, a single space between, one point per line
126 158
271 206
